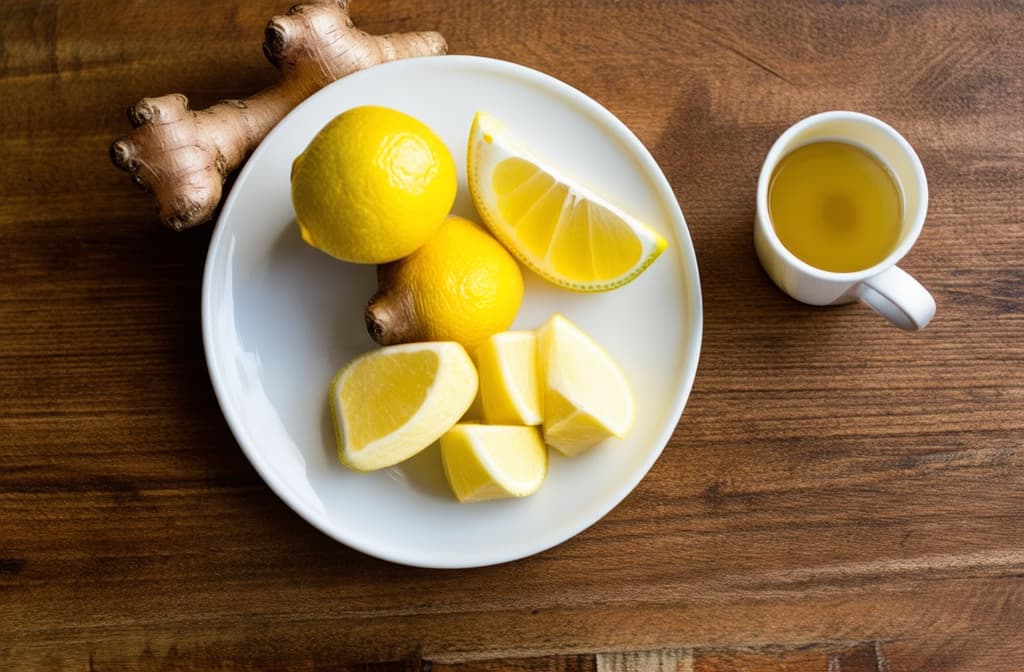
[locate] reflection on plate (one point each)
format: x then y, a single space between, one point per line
279 318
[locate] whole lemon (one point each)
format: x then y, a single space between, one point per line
372 186
462 285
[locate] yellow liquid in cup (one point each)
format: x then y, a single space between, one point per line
835 206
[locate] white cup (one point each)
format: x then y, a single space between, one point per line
889 290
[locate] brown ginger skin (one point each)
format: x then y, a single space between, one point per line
183 156
391 316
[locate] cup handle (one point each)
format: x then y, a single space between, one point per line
898 297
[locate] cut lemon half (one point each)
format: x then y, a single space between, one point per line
557 227
391 403
507 364
587 398
493 461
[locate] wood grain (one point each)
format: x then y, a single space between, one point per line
838 495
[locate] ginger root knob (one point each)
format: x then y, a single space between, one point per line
391 316
183 156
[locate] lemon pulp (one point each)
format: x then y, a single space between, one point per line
391 403
558 227
375 411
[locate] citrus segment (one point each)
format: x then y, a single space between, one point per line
391 403
586 397
493 461
507 364
561 229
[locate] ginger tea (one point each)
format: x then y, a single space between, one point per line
835 206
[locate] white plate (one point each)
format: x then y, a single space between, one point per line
279 318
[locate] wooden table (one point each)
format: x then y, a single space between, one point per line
839 495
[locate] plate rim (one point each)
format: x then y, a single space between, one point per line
691 282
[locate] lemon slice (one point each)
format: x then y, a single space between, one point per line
587 398
493 461
557 227
507 364
391 403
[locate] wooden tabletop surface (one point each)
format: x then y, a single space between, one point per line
839 494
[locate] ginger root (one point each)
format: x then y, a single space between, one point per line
183 156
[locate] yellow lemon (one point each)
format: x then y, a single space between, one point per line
493 461
561 229
391 403
586 397
372 186
509 391
461 285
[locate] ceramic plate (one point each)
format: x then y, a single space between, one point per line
279 318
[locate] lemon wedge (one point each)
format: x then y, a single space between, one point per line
507 364
557 227
586 397
493 461
391 403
